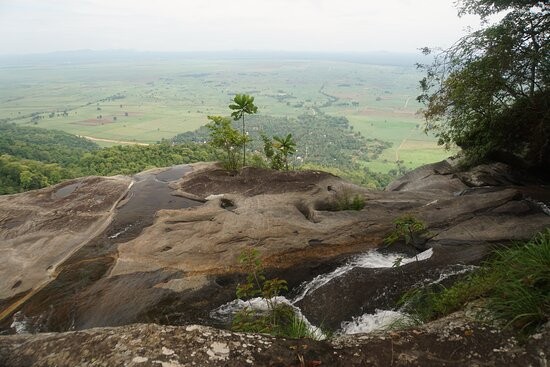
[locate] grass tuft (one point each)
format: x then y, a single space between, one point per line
514 286
346 199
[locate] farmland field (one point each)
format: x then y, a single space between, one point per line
146 100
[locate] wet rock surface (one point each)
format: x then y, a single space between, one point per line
40 230
77 291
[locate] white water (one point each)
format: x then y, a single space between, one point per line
225 312
371 259
457 270
382 319
20 323
121 232
541 205
367 323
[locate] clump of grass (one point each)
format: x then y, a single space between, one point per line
288 324
346 199
279 319
514 285
522 295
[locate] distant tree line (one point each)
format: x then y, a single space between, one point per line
49 146
32 158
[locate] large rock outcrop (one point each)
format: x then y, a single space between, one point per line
162 246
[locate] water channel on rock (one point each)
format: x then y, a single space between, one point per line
61 304
365 323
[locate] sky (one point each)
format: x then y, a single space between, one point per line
37 26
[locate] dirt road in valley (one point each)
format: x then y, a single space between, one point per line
113 141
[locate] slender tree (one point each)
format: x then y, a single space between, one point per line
244 104
286 145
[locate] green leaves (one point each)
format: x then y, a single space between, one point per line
244 104
408 228
224 136
17 175
489 92
286 146
513 287
273 287
279 319
485 8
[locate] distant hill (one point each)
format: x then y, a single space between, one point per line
32 157
44 145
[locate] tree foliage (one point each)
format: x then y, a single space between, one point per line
278 150
274 157
17 175
488 93
286 146
131 159
50 146
323 142
484 8
56 156
227 138
409 229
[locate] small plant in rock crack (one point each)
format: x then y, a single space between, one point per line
409 229
279 319
257 285
397 262
347 199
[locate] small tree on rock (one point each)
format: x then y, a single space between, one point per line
224 136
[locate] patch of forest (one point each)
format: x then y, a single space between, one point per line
32 158
50 146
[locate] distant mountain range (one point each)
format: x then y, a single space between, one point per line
92 56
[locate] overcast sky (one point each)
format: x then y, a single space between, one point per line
32 26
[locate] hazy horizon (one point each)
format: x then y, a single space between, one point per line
351 26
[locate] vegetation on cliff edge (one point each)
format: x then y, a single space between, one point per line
489 92
513 287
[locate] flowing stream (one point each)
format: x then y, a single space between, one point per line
382 319
371 259
361 324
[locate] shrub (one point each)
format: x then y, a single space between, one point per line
280 319
224 136
409 229
514 286
346 199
